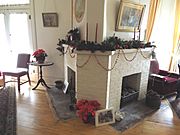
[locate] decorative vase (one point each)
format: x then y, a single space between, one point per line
40 59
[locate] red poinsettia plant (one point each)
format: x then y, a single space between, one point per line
86 110
40 53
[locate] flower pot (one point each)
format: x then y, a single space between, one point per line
40 59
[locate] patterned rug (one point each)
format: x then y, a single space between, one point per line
7 111
175 104
134 112
59 102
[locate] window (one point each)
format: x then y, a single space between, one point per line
14 2
15 36
163 31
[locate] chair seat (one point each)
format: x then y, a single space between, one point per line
166 79
16 72
21 70
170 79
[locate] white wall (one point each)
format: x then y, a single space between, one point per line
47 37
93 14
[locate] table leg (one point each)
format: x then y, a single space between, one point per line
41 80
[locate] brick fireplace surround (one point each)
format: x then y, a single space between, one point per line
93 82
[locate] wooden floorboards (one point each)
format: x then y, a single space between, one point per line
34 117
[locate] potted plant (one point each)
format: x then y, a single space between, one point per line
40 55
86 110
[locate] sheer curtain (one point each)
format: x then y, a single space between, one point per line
162 33
176 40
4 49
19 35
14 38
151 18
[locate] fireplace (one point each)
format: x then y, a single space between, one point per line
130 89
93 82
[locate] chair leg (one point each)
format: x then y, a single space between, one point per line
18 81
29 79
4 83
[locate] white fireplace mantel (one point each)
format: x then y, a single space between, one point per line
93 82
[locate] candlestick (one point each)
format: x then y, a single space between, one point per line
96 33
87 32
134 33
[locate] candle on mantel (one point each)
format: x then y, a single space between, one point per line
87 32
96 33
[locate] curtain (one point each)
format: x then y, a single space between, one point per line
14 38
162 32
151 17
176 40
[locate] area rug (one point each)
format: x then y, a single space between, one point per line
59 103
175 104
7 111
133 113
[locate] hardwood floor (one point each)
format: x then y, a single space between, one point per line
34 117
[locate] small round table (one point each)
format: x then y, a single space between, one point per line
41 80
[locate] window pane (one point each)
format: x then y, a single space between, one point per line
13 2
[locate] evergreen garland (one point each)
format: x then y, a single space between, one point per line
110 44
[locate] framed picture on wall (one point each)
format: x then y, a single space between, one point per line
129 16
104 117
50 19
79 9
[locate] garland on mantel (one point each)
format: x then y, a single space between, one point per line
110 44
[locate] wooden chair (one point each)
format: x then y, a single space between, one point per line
21 70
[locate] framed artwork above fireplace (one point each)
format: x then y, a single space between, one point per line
129 16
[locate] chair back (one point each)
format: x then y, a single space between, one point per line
154 67
23 60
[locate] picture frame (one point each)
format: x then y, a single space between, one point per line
50 19
104 117
79 9
66 84
129 16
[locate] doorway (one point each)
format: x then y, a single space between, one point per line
15 35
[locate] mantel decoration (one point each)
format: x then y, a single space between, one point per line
110 44
86 110
40 55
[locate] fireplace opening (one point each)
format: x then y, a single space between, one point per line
130 89
71 79
71 88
